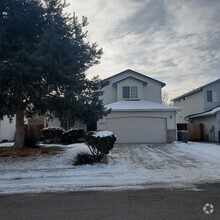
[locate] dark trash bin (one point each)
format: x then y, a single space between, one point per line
183 136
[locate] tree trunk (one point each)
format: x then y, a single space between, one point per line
19 134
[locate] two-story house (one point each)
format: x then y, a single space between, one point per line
202 105
137 114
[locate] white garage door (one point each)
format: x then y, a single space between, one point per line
138 130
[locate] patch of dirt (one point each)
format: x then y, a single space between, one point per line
25 152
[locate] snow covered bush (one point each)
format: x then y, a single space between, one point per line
74 135
52 135
100 143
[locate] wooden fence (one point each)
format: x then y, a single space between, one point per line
196 131
33 131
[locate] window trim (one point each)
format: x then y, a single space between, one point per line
132 93
125 92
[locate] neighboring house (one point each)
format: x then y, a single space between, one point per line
7 129
137 114
202 105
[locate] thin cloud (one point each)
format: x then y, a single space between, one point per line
193 17
172 41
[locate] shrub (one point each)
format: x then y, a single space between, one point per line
85 158
100 143
73 135
52 134
4 141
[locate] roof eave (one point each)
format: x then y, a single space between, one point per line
145 110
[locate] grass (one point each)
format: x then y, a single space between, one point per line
25 152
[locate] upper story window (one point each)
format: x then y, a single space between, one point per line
209 96
130 92
212 96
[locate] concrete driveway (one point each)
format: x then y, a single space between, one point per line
156 156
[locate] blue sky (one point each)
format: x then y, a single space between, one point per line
174 41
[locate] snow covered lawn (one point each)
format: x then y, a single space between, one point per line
130 166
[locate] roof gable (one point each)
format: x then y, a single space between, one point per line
130 77
134 75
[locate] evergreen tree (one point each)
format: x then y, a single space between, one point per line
43 59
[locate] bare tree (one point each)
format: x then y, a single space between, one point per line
165 98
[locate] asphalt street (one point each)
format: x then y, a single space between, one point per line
143 204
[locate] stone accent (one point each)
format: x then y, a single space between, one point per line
171 135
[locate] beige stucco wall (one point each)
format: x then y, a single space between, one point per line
152 92
110 94
191 105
